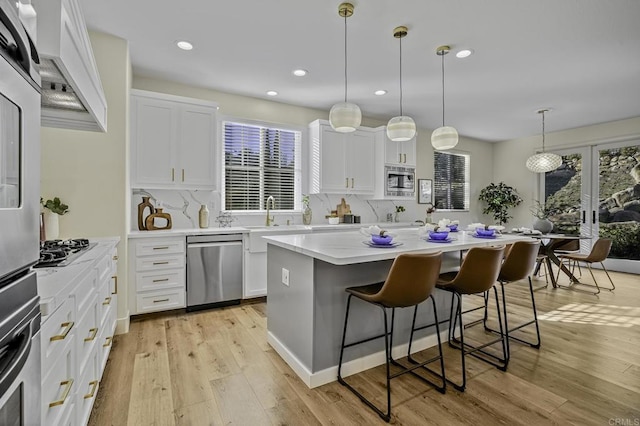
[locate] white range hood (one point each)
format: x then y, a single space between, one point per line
72 94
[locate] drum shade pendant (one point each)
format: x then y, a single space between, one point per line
544 161
445 137
401 128
345 117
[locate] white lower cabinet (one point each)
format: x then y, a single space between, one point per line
158 269
76 339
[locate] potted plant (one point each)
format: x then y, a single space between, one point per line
541 213
306 212
499 198
399 209
430 210
53 209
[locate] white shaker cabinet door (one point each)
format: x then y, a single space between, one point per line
197 146
361 161
333 161
153 131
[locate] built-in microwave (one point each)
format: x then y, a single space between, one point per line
399 181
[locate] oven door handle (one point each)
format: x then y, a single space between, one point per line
14 355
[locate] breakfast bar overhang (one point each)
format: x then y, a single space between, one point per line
306 278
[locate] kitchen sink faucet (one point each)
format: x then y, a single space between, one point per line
270 220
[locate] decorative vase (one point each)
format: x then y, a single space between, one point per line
203 216
543 225
144 205
306 216
51 225
428 219
396 218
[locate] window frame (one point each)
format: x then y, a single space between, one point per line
467 189
298 167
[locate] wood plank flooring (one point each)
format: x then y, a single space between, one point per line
216 368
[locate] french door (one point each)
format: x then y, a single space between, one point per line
596 193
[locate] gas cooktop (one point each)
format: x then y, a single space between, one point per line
62 252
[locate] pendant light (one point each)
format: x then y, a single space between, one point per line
544 161
401 128
345 117
445 137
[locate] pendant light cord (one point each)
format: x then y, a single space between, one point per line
442 90
401 76
542 131
345 58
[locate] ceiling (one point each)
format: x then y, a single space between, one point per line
579 57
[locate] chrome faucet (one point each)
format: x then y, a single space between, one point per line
270 220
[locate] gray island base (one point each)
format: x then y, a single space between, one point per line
306 278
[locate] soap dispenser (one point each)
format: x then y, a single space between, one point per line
203 216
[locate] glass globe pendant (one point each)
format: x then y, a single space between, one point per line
545 161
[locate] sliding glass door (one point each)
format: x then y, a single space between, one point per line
596 193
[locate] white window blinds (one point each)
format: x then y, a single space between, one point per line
260 162
451 181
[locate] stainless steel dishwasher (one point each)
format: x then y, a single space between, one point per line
214 270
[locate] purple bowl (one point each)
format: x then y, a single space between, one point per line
438 235
377 239
485 232
453 226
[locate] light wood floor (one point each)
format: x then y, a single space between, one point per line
215 367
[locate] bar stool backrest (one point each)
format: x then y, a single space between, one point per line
599 251
479 271
410 281
520 261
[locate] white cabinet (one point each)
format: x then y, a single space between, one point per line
173 141
400 153
158 270
341 163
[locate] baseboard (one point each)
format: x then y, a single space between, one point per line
355 366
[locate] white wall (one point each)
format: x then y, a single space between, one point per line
510 157
89 170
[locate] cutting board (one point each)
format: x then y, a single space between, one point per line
343 208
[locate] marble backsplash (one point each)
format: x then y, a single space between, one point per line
183 205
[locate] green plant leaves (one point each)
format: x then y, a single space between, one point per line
499 198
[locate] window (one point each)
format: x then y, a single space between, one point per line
259 162
451 181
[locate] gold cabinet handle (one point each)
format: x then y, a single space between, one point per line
399 158
107 301
173 174
115 258
160 300
183 175
161 263
108 341
405 157
94 386
67 384
115 282
160 281
352 182
93 333
67 328
161 248
346 182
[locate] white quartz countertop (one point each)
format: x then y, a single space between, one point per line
345 248
55 284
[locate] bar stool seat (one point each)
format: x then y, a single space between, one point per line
411 281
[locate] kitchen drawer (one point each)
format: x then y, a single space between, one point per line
56 333
87 331
154 263
157 280
58 386
153 301
84 291
87 389
105 341
106 300
155 247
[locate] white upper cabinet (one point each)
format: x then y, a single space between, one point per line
401 153
173 141
341 163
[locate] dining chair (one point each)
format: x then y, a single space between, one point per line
517 266
598 254
477 275
410 281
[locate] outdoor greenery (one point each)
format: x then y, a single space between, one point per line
499 199
626 239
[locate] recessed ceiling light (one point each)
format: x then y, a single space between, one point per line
272 93
300 73
184 45
380 92
464 53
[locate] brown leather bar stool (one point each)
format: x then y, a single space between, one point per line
598 254
477 275
517 266
410 282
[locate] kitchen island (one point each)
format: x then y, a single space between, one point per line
306 278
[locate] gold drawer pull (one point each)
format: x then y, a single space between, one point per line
347 182
162 280
161 263
93 332
115 257
183 175
173 174
108 341
115 279
68 326
65 394
161 248
94 386
160 300
352 182
107 301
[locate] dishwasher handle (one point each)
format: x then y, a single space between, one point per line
222 238
214 244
